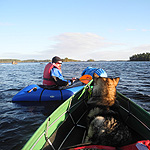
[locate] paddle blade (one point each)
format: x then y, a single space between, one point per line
86 78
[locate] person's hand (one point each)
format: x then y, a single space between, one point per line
74 79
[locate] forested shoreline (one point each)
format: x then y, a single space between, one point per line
33 60
20 61
140 57
136 57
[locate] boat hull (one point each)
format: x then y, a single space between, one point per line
66 126
34 93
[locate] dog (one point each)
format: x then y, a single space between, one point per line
105 126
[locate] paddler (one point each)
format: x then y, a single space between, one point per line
53 75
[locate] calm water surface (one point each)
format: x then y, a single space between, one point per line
18 122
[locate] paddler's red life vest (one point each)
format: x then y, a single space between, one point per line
47 79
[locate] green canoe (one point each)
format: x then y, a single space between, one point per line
66 126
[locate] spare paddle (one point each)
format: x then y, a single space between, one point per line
85 78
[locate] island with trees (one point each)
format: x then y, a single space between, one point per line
140 57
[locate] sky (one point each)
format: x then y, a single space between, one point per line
76 29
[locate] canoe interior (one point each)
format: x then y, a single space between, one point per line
66 126
73 130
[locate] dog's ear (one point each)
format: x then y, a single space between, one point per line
95 75
116 80
104 79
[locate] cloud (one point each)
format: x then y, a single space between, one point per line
110 55
82 46
79 45
130 29
145 30
122 54
142 48
134 50
22 55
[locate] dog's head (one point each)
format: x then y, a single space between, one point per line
104 91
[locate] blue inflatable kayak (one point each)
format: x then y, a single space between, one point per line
36 93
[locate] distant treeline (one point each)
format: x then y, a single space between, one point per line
140 57
19 61
69 60
9 60
33 60
72 60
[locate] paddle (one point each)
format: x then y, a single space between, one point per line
85 78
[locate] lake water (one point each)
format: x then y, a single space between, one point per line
18 122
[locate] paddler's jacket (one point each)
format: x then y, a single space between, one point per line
52 76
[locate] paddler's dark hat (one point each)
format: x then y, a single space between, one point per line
56 59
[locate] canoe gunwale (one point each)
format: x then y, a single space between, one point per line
73 121
134 116
40 134
75 124
71 106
